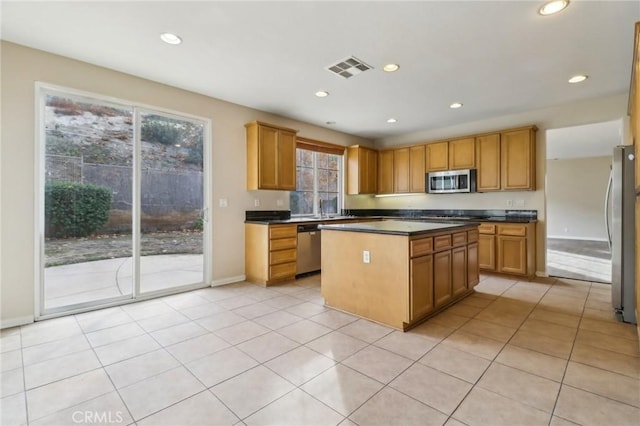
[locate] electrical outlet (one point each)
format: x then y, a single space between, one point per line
256 202
279 203
509 203
366 256
223 202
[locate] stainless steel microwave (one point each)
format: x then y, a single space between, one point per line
452 181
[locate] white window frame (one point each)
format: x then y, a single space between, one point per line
41 90
316 192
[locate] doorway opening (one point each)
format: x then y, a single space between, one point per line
122 202
578 189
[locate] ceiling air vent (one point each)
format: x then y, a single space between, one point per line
349 67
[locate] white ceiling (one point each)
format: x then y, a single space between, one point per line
591 140
496 57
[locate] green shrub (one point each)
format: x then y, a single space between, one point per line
75 209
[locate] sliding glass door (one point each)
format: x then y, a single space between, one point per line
122 202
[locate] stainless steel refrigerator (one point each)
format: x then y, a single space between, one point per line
622 233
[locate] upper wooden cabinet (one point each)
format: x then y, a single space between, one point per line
385 172
362 170
517 159
408 169
437 156
271 157
488 162
451 155
462 154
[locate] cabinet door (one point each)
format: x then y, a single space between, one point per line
488 162
416 168
473 272
421 287
442 277
286 161
268 158
517 159
462 154
512 255
487 252
371 181
385 172
458 271
401 170
437 156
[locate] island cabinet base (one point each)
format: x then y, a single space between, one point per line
398 280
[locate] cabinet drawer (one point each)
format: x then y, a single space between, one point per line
459 238
441 242
420 247
487 229
515 230
472 236
282 256
284 270
283 243
285 231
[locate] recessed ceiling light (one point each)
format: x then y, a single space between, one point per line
455 105
177 145
551 7
330 123
578 78
322 94
391 67
392 120
170 38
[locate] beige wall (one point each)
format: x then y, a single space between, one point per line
22 67
583 112
576 190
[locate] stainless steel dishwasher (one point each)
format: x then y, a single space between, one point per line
308 253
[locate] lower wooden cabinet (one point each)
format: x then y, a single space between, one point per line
473 270
270 252
421 288
507 248
458 271
442 278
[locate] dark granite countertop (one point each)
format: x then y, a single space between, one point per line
395 227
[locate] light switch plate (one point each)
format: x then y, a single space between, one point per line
223 202
366 256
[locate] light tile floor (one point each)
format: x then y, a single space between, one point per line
514 353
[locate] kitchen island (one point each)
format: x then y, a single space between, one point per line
398 273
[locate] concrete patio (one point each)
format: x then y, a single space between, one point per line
90 281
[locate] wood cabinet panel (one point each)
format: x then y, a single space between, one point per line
283 231
282 271
488 162
287 160
513 229
487 252
462 154
512 255
421 287
486 228
362 170
472 236
401 170
282 256
437 156
441 242
458 271
271 157
442 278
517 159
283 243
421 247
417 168
473 270
385 172
459 238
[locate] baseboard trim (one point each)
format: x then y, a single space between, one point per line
542 274
14 322
564 237
228 280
